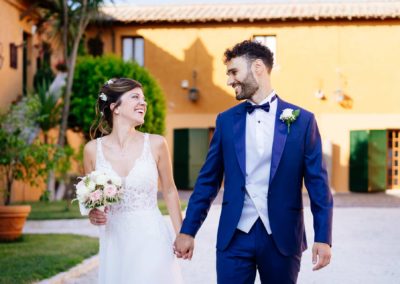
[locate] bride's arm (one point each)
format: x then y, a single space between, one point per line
89 152
96 217
167 184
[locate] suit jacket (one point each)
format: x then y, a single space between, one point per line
296 156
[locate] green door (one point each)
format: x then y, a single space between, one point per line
190 151
358 180
181 161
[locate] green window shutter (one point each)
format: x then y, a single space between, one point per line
377 160
198 148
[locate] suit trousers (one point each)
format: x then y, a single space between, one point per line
252 251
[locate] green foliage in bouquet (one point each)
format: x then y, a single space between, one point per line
91 73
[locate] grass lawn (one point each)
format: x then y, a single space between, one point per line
63 209
163 206
59 210
36 257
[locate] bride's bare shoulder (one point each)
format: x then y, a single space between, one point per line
157 140
90 148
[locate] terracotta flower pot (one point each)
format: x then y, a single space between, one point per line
12 220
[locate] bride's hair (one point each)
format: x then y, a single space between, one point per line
109 93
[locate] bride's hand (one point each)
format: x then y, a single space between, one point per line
97 217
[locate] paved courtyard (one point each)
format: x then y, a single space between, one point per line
366 234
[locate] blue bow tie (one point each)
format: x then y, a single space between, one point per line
250 107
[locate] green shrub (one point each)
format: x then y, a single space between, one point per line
22 155
91 73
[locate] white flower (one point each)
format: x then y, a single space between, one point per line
82 191
116 180
101 179
103 97
289 116
91 185
287 113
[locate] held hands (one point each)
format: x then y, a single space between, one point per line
321 255
183 246
98 217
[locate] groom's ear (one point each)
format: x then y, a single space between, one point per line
259 67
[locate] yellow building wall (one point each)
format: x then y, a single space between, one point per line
11 31
11 80
360 58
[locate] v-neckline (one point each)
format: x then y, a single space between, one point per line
134 163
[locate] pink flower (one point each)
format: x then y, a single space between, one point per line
110 191
96 195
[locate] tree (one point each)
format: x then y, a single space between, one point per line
66 21
92 72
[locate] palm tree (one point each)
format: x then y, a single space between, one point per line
66 21
49 110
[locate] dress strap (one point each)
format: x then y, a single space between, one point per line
99 152
147 147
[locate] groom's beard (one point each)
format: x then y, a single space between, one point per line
248 87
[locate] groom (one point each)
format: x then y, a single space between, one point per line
263 157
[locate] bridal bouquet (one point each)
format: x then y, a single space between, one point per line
97 190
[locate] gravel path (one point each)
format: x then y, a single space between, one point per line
366 234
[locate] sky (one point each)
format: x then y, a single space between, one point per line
166 2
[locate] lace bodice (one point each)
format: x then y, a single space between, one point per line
140 185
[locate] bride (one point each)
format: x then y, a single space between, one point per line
135 244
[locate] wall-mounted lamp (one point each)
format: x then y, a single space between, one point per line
185 84
193 92
320 95
339 95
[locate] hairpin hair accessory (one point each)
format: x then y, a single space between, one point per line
103 97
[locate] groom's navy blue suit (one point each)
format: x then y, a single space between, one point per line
296 155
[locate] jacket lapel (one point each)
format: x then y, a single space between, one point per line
239 131
280 134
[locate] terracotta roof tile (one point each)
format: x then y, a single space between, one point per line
252 12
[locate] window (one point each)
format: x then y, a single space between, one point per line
95 46
133 49
270 42
13 56
393 159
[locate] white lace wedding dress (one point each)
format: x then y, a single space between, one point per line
136 244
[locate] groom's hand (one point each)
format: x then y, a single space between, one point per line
183 246
321 255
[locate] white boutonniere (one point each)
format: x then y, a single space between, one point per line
289 116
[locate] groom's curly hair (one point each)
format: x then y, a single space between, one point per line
252 50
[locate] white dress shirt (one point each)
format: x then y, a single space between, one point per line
259 138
